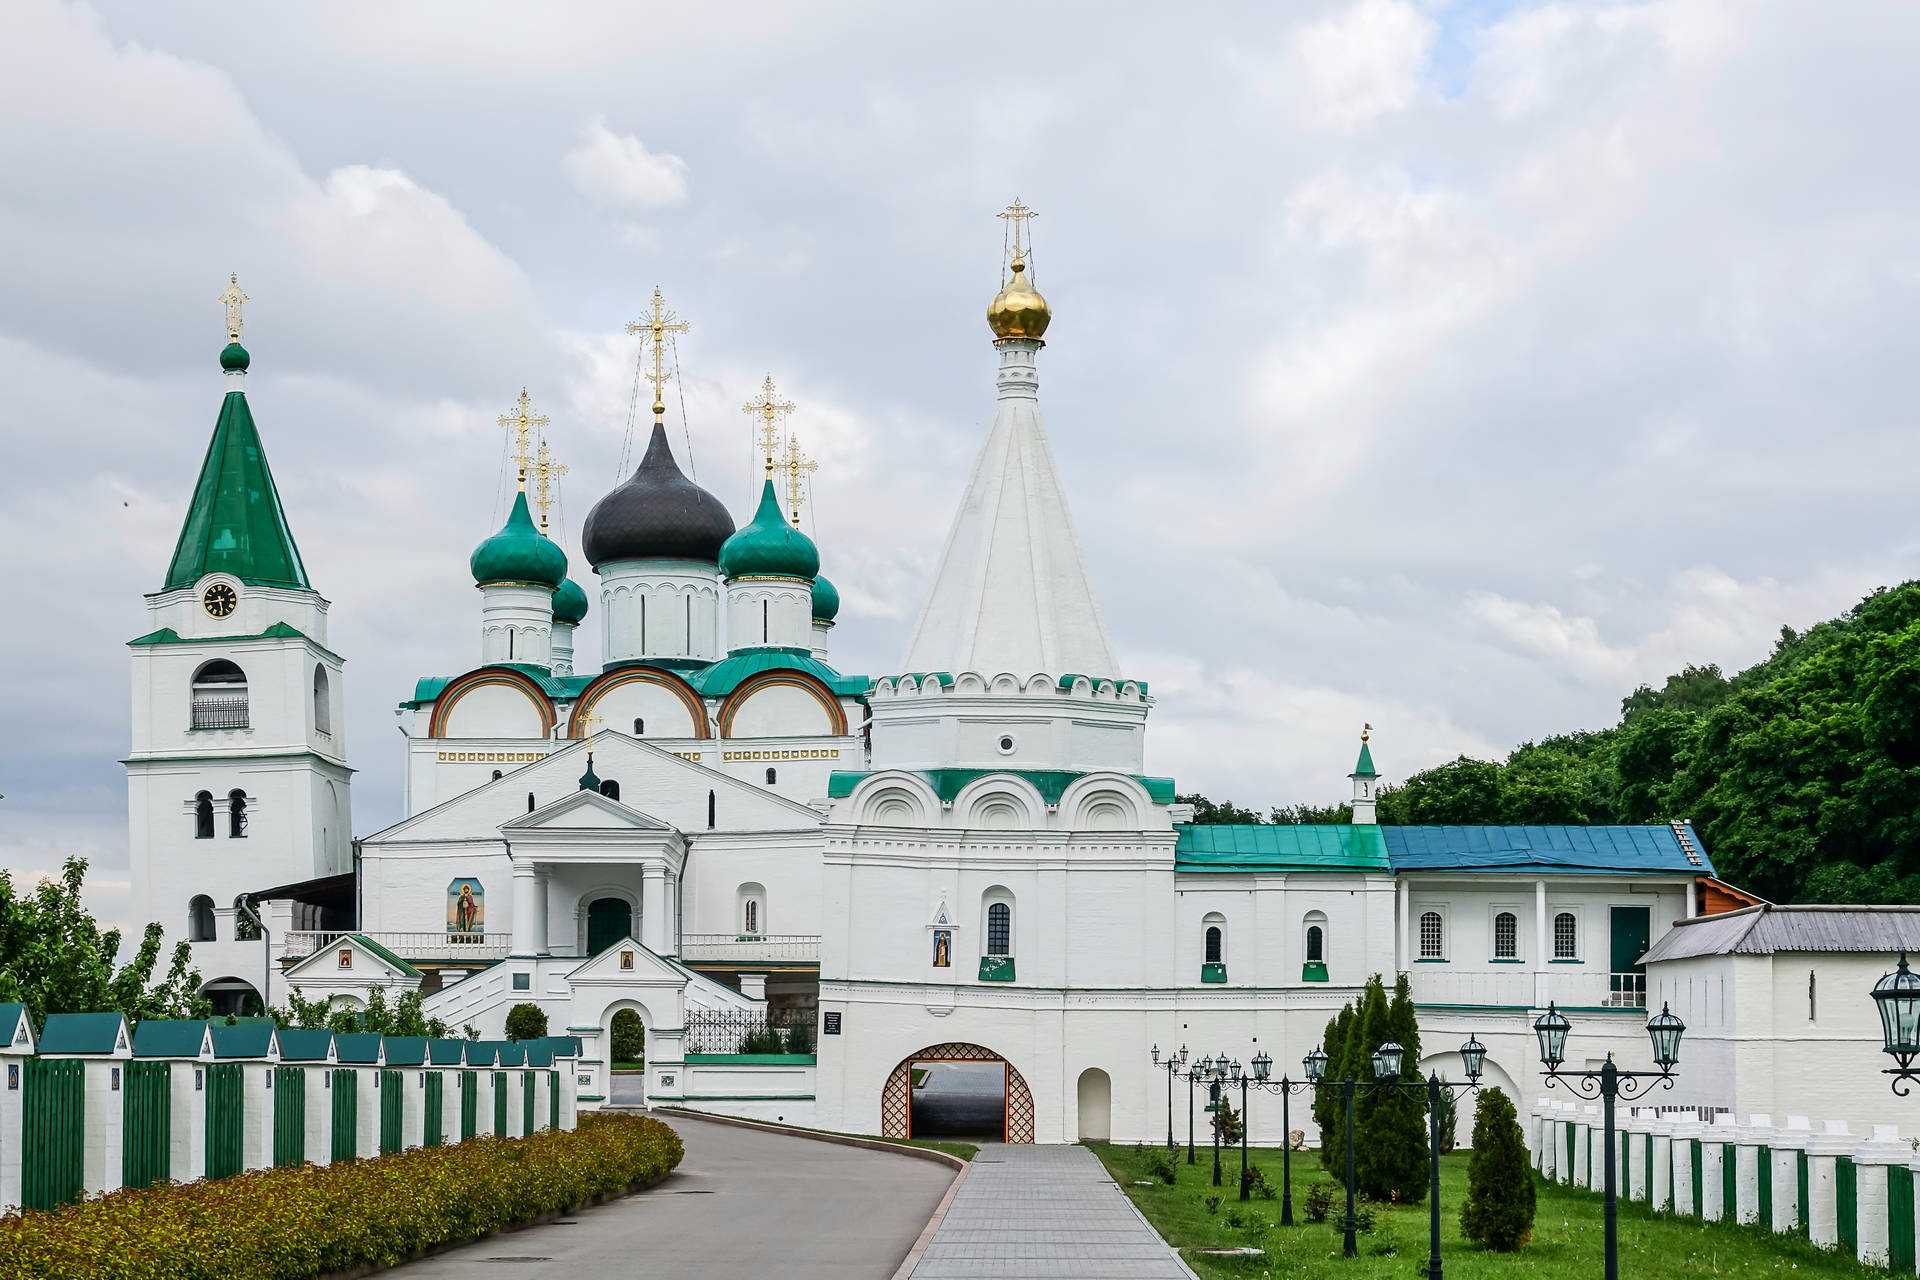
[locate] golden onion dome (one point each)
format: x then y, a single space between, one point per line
1018 310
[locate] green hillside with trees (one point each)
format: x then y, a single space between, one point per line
1801 773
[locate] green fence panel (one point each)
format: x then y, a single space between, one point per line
1846 1204
553 1099
1729 1182
500 1104
1647 1165
53 1118
431 1108
390 1086
469 1104
289 1117
346 1113
1763 1161
1803 1200
226 1120
146 1124
526 1104
1900 1251
1696 1163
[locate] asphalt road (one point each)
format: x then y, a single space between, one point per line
744 1203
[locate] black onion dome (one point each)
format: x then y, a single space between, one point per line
657 514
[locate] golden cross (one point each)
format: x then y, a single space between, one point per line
233 299
1018 214
796 465
545 472
771 409
522 422
654 328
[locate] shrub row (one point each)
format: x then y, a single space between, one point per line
291 1224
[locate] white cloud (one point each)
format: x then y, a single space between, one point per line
1362 63
616 170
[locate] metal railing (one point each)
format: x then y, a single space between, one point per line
750 947
423 945
219 711
1518 987
749 1031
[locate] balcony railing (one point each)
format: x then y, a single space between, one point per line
423 945
752 948
1517 987
219 711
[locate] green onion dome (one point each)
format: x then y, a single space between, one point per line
570 603
769 547
826 599
519 552
234 358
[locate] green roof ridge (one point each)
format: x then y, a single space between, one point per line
235 523
387 955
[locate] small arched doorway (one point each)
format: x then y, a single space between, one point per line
609 920
1096 1105
962 1089
234 996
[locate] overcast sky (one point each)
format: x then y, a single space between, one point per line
1450 366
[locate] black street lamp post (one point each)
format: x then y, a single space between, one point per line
1897 997
1606 1084
1387 1061
1262 1079
1174 1062
1216 1071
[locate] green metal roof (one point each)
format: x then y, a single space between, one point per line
1066 682
386 955
948 783
769 547
561 688
12 1015
278 631
406 1051
446 1052
169 1038
82 1033
539 1053
1280 847
564 1046
248 1038
728 674
358 1047
512 1053
302 1044
519 552
235 523
482 1053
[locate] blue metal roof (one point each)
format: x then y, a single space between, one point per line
1564 849
1279 847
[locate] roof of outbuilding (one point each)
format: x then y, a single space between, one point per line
512 1053
565 1046
1764 930
446 1052
406 1051
390 957
359 1047
482 1053
1280 846
168 1037
82 1033
12 1015
303 1044
246 1038
539 1053
1672 848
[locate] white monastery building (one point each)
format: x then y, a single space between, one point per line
818 890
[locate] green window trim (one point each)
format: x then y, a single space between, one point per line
1313 971
1216 972
1566 960
996 969
1430 960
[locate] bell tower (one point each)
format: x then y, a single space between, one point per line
237 779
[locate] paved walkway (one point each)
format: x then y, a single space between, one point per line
744 1203
1044 1213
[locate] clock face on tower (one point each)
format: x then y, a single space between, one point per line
219 600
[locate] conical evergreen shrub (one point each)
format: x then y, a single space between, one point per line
1499 1210
1391 1145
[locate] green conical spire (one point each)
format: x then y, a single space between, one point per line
1363 768
235 523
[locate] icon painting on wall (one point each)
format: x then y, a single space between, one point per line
466 910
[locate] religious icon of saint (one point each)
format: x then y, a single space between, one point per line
942 948
466 910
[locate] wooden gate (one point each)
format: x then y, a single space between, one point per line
896 1098
469 1104
226 1120
390 1086
53 1118
146 1126
346 1114
289 1117
431 1108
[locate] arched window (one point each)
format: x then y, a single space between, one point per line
772 777
1566 937
1215 938
236 814
639 726
1433 936
219 696
1313 947
203 820
752 899
322 703
200 919
710 810
753 916
609 788
529 802
1316 945
999 929
1506 936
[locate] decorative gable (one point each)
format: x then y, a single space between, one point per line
628 961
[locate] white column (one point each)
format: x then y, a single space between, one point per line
1660 1195
482 1101
569 1117
450 1106
653 909
541 944
754 987
103 1079
319 1125
366 1115
413 1107
1540 947
1716 1149
1870 1164
1403 953
256 1111
1823 1219
13 1066
1788 1143
186 1121
529 922
1684 1134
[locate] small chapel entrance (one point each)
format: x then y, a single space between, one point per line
957 1091
609 920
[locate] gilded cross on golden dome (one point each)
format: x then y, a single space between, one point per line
654 328
770 408
796 464
545 472
233 300
1017 216
523 422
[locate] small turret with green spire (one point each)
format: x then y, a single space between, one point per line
1363 768
1365 779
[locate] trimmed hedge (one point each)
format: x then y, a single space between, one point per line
291 1224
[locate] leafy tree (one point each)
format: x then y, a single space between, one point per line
310 1015
1226 1121
526 1021
1207 813
629 1037
1303 815
1498 1213
54 958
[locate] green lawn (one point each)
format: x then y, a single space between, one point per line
1566 1242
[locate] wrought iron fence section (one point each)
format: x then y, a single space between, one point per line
219 711
750 1031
